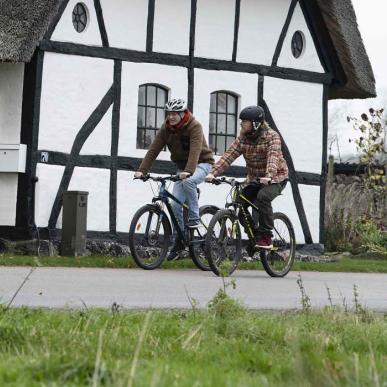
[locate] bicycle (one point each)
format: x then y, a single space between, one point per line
223 244
150 230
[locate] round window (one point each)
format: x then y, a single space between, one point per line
298 44
80 17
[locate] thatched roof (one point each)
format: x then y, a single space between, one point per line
24 22
340 19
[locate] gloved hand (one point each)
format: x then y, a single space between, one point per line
265 180
138 174
209 178
184 175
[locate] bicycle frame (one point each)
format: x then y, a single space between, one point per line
163 196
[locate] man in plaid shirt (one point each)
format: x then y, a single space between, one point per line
261 147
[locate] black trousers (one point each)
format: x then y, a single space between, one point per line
262 198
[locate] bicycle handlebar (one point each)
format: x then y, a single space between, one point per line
233 182
173 178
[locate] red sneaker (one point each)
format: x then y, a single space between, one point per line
264 242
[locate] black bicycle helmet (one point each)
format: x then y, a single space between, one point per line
255 114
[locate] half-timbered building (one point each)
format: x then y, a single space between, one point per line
83 85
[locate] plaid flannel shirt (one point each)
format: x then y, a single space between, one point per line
263 157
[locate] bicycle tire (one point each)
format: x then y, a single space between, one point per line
279 261
197 238
142 245
220 238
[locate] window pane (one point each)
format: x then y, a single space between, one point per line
141 117
213 102
231 124
220 144
221 124
140 139
212 123
149 137
231 104
151 96
229 141
160 117
141 95
161 97
150 118
222 99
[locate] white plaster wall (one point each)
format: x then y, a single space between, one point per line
309 59
311 200
11 96
8 198
45 191
65 31
126 23
208 81
97 183
99 142
215 29
72 88
171 26
296 108
134 75
260 26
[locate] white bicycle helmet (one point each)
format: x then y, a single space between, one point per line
176 105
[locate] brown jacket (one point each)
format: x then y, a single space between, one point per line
263 155
187 145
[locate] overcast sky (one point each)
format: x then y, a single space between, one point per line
372 21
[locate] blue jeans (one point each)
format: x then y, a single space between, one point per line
185 191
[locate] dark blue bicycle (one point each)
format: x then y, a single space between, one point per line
150 233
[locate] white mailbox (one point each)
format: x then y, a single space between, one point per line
13 157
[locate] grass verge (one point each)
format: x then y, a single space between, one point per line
359 264
226 345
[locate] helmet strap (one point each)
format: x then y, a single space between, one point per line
256 125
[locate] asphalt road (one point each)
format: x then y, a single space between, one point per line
135 288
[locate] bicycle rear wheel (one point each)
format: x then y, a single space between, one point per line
149 237
223 245
278 261
198 237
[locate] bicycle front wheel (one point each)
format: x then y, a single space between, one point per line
278 261
149 237
223 245
198 237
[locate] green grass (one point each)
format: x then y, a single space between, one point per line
225 345
360 264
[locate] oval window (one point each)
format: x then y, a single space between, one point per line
298 44
80 17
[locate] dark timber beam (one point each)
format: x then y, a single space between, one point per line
159 166
150 25
284 31
56 19
87 128
184 61
236 29
293 179
114 146
101 23
29 135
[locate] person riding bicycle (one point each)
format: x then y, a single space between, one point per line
183 135
261 148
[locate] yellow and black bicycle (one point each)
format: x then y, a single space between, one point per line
225 238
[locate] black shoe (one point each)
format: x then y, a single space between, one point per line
174 253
